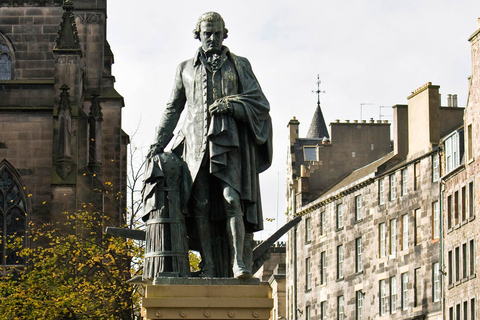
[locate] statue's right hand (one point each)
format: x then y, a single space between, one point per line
154 150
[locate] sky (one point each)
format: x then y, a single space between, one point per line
371 52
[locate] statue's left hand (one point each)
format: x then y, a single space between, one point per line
220 108
154 150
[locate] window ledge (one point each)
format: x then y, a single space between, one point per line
358 221
473 276
359 273
340 279
339 229
471 218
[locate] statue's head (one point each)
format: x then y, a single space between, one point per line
211 31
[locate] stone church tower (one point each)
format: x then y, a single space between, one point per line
62 148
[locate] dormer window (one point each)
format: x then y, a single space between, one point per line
310 153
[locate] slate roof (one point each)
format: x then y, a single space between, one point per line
364 172
318 129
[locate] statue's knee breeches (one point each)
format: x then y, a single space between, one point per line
232 203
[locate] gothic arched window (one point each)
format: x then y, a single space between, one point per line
5 59
13 216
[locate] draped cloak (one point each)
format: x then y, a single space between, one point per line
247 136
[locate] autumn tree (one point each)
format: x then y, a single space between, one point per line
70 274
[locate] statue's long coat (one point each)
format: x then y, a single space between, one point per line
251 135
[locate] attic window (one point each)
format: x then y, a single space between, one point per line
310 153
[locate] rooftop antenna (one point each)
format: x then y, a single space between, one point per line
361 107
318 91
380 115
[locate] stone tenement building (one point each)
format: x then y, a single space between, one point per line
62 147
461 197
387 231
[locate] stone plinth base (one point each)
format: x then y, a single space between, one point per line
214 299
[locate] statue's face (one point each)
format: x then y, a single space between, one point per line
211 36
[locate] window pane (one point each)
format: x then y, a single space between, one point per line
339 216
310 153
383 297
436 220
358 207
436 281
393 295
308 230
435 168
340 261
381 191
405 291
405 231
381 239
404 182
359 305
471 207
358 249
308 274
393 237
12 219
393 187
341 313
5 68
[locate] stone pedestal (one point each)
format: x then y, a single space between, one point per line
210 299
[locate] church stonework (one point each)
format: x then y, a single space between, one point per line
60 115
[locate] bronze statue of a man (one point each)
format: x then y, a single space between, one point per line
225 140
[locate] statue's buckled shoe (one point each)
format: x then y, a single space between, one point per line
241 273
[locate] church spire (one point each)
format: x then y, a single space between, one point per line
318 129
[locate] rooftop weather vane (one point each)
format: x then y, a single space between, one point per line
318 91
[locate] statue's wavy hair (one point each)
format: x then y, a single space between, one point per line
209 17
